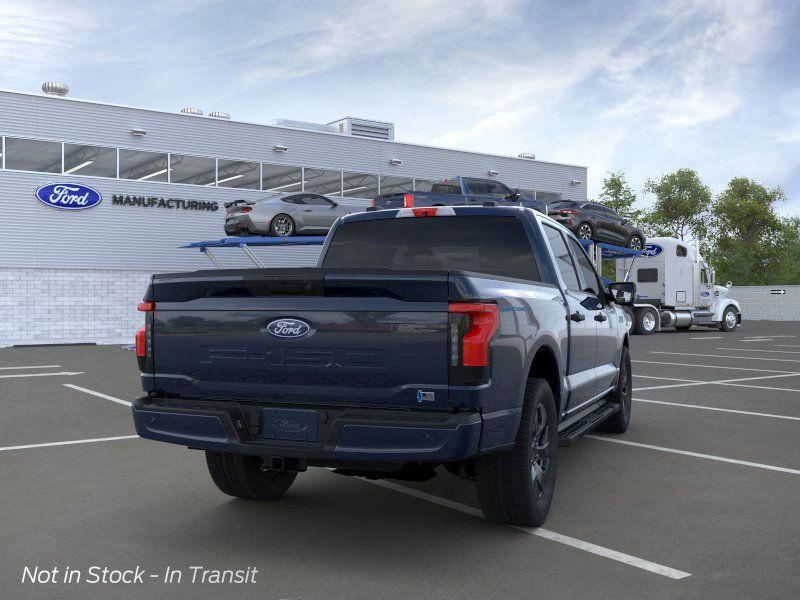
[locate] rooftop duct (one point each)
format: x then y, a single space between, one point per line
192 111
527 155
376 130
51 88
303 125
219 115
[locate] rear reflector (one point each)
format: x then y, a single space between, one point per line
408 200
146 306
426 211
481 326
141 343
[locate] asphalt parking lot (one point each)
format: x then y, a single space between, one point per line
698 500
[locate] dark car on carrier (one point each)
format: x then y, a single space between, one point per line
593 221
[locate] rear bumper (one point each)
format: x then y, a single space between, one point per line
341 435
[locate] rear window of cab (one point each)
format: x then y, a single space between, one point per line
495 246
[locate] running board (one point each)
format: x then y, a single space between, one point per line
586 424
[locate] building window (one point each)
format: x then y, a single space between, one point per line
359 185
237 174
320 181
90 160
396 185
144 166
194 170
33 155
423 185
280 178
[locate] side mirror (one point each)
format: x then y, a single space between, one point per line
334 204
729 285
622 292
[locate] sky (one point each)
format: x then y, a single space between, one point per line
639 87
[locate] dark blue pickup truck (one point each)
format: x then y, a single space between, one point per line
457 191
476 338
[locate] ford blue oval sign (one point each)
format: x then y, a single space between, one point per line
288 328
652 250
68 196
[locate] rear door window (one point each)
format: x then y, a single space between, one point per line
496 246
563 259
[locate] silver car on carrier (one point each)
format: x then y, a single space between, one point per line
286 214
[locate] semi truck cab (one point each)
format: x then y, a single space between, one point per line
676 288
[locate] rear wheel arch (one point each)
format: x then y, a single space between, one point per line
545 366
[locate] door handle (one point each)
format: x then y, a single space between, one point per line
577 317
600 317
307 209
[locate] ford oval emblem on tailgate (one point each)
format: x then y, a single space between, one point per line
288 328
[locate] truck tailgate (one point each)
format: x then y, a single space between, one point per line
303 336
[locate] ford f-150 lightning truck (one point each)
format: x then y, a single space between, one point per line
461 191
476 338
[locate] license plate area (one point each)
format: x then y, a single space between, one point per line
290 424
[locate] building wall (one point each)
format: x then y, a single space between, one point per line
760 304
76 276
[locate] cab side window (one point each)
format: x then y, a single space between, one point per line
563 259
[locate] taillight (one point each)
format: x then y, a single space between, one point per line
372 202
141 343
471 328
246 209
408 200
568 212
144 338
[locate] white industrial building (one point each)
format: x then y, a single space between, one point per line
72 276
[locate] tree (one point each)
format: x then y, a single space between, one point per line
751 243
618 196
681 206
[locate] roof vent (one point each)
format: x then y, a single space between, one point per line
527 155
51 88
376 130
192 111
303 125
219 115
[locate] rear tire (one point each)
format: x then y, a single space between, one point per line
636 243
516 487
644 322
281 225
622 395
730 320
242 476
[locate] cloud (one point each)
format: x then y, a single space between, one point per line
347 32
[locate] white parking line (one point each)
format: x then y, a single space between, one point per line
733 461
787 346
660 362
757 340
759 350
718 382
16 375
728 410
31 367
69 443
708 337
667 378
98 394
725 356
627 559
